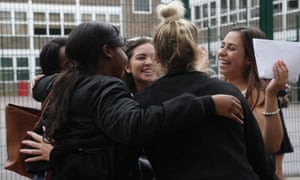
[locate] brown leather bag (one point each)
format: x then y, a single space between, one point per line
19 120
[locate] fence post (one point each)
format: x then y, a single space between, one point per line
266 17
188 10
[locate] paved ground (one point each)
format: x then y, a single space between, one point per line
291 163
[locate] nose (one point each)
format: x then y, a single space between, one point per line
148 61
221 52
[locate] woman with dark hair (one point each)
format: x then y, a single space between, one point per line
140 71
52 60
237 64
95 125
52 56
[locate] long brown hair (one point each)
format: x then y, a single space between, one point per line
255 84
131 44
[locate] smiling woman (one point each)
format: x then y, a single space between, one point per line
140 71
238 65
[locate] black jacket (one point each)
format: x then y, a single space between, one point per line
218 150
106 126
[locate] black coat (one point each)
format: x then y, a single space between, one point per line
218 150
106 127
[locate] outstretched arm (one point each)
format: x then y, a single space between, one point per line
122 119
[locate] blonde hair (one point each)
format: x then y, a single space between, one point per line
175 38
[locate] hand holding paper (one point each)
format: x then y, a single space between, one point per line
267 52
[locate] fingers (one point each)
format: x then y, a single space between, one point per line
280 71
30 151
35 136
237 119
237 111
31 144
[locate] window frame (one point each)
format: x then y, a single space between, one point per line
134 11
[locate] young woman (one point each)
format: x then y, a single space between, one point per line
218 149
52 60
238 65
52 56
92 120
140 71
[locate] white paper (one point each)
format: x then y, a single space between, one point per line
267 52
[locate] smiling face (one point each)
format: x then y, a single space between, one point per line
232 59
141 65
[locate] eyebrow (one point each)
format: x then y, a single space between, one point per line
229 44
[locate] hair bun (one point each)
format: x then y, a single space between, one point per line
173 11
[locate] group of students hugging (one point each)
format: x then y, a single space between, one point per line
112 106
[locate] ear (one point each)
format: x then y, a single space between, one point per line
155 58
127 69
107 51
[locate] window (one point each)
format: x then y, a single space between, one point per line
5 29
243 4
20 16
37 62
6 69
22 68
213 8
277 8
213 22
21 25
22 74
232 4
254 3
223 19
141 6
86 17
40 30
38 69
68 17
242 16
5 16
292 4
67 30
100 17
223 6
7 75
197 12
114 18
54 17
5 25
39 17
233 18
205 10
22 62
254 12
21 29
205 23
6 62
54 30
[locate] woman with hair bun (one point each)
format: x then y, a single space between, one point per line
94 124
219 148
